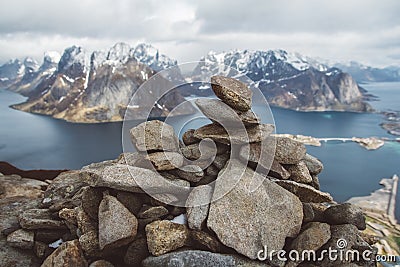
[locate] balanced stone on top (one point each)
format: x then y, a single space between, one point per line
219 112
232 92
154 135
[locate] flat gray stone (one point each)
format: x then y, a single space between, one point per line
154 135
198 258
304 192
221 113
39 219
117 225
238 219
251 134
289 151
164 161
299 172
233 92
314 165
152 212
165 236
21 239
132 179
197 205
345 213
191 173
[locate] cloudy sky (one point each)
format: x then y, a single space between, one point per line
341 30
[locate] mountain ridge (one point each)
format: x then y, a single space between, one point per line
95 87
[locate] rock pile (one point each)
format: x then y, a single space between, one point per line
194 202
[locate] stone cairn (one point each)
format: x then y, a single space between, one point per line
122 212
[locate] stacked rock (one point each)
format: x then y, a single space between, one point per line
195 202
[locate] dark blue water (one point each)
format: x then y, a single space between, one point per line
34 141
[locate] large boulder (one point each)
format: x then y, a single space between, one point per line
247 217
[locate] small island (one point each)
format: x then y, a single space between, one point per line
370 143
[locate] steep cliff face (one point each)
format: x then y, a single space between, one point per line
97 87
289 80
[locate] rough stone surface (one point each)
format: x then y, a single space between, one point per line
132 179
152 212
117 225
197 205
345 213
91 198
137 252
299 172
67 255
304 192
191 173
198 258
14 185
313 237
238 219
39 219
263 160
238 136
130 158
101 263
163 161
314 165
188 137
219 112
354 241
154 135
289 151
220 161
206 240
165 236
315 182
21 239
133 202
63 187
232 92
308 213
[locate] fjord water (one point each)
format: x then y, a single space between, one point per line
39 142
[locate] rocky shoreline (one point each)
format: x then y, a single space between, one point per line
188 202
392 124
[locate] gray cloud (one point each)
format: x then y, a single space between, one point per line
363 30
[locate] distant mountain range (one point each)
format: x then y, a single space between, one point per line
95 87
364 73
290 80
83 87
